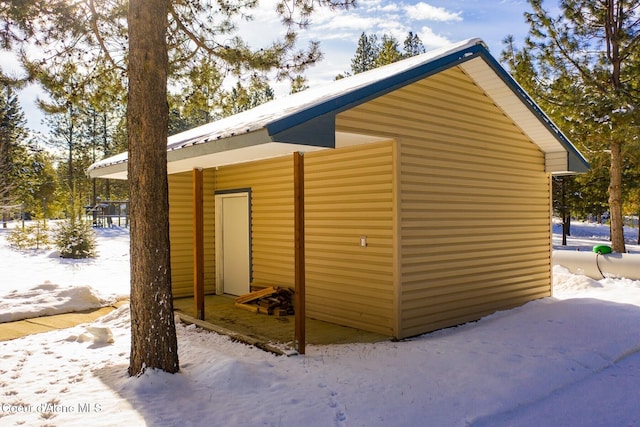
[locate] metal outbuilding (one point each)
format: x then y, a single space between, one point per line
427 195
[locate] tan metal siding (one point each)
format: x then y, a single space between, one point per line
271 184
181 233
349 194
474 197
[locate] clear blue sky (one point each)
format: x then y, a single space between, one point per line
437 23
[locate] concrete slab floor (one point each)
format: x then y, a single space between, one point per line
221 310
21 328
68 320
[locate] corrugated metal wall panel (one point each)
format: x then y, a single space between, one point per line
209 231
271 184
181 233
474 202
465 310
349 194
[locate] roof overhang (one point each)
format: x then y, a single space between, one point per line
306 121
229 151
237 149
561 157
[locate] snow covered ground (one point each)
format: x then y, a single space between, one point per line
573 359
586 235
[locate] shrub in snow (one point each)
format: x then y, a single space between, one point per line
30 237
75 239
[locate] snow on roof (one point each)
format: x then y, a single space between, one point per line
265 114
271 128
272 111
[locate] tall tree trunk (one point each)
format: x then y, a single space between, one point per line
71 180
153 334
615 198
613 30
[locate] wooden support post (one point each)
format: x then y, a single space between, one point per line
298 201
198 243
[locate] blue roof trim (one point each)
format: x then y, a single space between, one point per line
318 131
309 118
576 162
306 121
375 89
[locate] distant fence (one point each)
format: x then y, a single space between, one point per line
109 213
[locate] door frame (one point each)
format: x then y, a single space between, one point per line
218 197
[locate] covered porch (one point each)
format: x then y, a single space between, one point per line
271 333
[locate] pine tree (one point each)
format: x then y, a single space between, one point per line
146 45
12 149
153 336
389 51
371 53
242 98
38 189
413 45
299 84
27 174
583 65
200 94
366 54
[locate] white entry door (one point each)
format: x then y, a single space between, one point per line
232 243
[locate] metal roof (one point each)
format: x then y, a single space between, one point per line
305 121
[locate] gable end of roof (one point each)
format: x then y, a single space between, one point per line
334 106
576 163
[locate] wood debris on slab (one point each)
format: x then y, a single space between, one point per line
273 300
